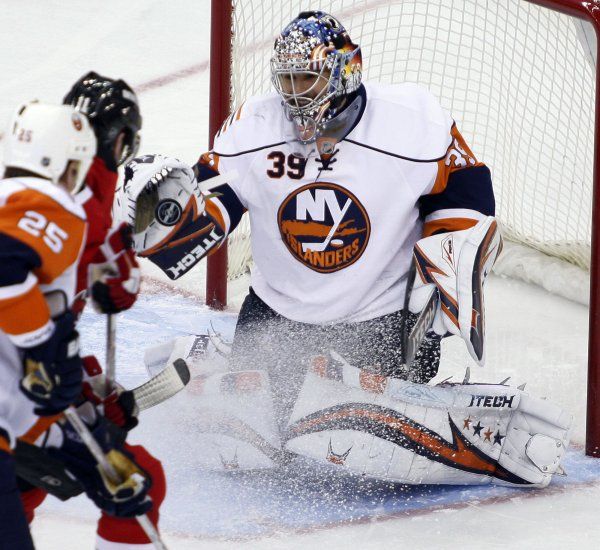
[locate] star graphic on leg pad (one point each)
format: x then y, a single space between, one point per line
467 423
477 429
488 435
498 438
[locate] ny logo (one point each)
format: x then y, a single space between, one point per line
315 207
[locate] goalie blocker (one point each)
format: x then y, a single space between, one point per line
455 265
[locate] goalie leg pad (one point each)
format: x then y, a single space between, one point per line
399 431
236 422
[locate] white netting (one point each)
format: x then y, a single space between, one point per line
514 76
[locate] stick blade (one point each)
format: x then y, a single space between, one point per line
164 385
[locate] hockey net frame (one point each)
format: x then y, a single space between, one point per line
222 24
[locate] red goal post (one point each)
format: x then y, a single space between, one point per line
222 99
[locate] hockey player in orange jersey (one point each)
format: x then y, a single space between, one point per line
42 231
112 109
48 151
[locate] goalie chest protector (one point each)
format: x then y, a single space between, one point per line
332 240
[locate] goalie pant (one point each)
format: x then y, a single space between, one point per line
280 345
114 533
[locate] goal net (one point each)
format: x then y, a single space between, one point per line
517 78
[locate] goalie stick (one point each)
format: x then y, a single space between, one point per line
412 338
161 387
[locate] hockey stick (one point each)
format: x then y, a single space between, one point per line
111 333
109 470
411 339
164 385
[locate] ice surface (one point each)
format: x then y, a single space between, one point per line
533 336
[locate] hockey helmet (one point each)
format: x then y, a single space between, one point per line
112 107
43 138
315 65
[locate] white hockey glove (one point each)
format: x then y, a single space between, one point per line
456 264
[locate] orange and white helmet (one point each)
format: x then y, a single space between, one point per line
43 138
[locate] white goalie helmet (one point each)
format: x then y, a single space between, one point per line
43 138
159 196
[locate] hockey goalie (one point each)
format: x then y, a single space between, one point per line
373 232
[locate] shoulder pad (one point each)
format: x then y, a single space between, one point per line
404 120
256 124
44 187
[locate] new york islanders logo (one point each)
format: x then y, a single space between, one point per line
324 226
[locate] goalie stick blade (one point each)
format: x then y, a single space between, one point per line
412 341
164 385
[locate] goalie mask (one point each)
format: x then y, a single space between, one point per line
314 67
162 203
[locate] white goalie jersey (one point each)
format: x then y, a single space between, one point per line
333 234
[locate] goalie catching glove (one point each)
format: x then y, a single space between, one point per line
163 204
456 265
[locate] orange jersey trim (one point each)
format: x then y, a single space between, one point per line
458 157
41 425
447 224
24 313
5 445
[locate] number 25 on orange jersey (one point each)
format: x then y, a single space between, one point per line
37 225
